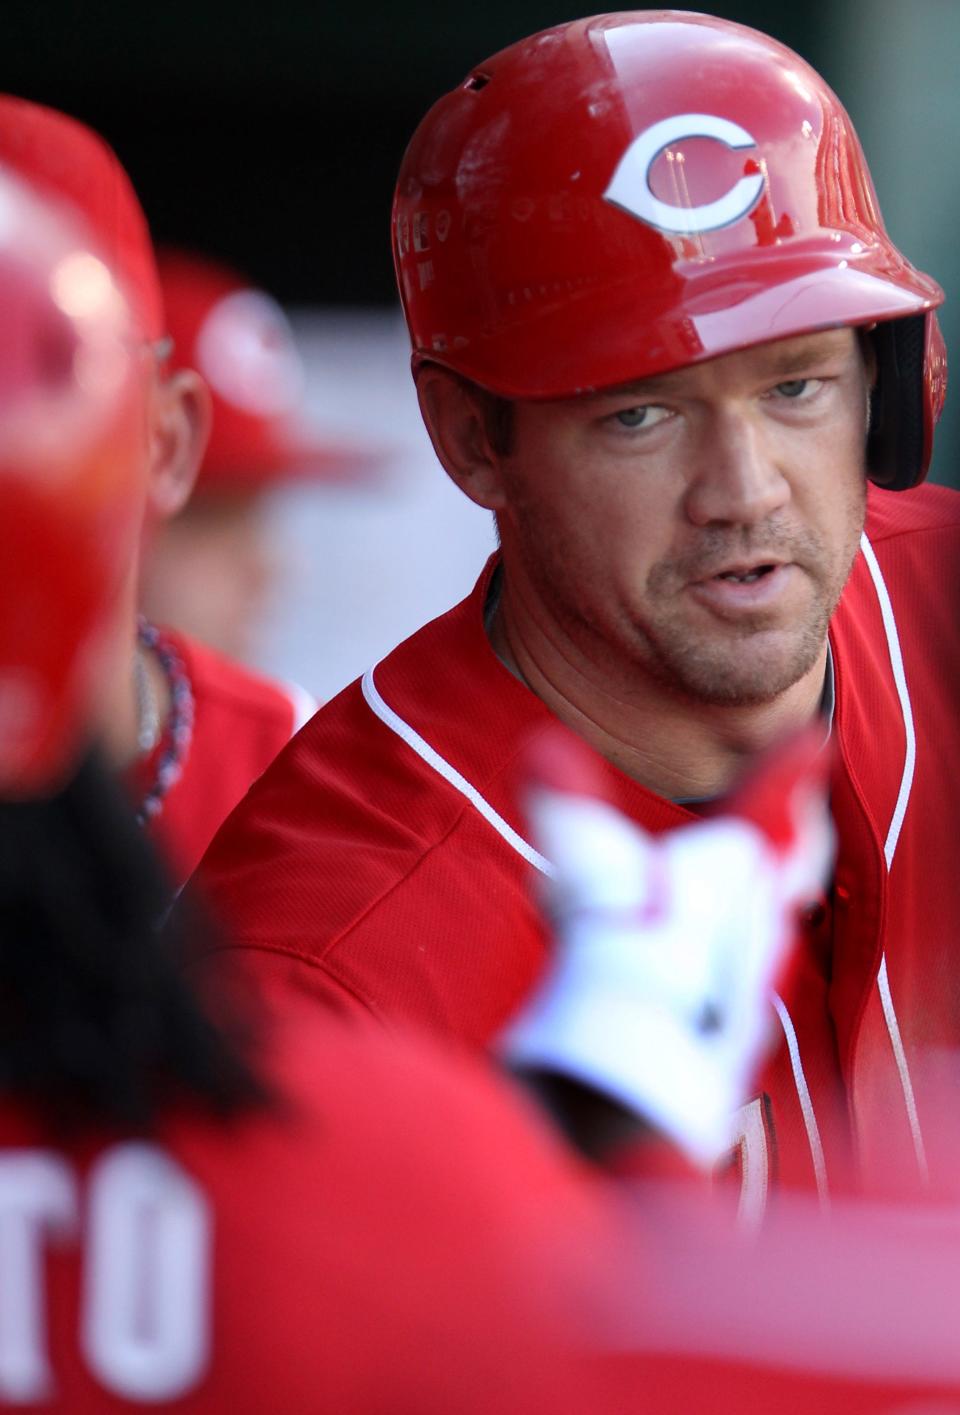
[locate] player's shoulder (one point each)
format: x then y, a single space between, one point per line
350 1085
400 719
386 776
902 513
222 684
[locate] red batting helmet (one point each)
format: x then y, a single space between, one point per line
71 426
628 194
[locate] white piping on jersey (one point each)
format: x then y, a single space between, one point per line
806 1104
449 773
304 704
893 836
900 679
893 1027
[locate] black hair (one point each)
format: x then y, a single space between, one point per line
99 1022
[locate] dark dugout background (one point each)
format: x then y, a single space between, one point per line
270 134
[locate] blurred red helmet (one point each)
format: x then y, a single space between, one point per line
63 160
71 433
239 340
628 194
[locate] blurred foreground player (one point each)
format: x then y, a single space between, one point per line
211 568
372 1227
175 1230
190 729
660 330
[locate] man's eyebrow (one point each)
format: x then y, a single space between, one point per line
643 388
813 350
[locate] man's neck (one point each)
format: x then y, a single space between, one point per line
681 748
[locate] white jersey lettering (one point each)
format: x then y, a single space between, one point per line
146 1327
145 1320
38 1199
750 1144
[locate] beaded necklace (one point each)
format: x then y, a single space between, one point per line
179 728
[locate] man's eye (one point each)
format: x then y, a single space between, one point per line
798 387
645 416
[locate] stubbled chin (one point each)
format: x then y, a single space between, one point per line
745 666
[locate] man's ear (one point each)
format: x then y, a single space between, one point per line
457 425
179 427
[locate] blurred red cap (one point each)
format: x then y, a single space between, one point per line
239 340
62 158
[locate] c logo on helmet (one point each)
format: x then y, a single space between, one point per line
630 185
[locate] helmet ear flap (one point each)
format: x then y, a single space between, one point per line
906 400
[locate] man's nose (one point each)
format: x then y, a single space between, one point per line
738 477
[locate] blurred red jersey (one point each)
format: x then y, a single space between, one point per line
840 1316
398 1233
401 1235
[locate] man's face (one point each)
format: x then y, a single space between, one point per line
696 528
210 571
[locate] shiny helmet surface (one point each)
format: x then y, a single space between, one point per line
628 194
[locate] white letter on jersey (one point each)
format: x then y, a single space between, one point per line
147 1282
751 1142
630 185
37 1196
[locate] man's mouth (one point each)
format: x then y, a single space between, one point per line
749 586
745 577
744 573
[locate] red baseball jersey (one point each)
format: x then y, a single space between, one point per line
241 720
399 1233
381 865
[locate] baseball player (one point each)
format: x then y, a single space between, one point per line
660 330
189 728
211 568
365 1224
